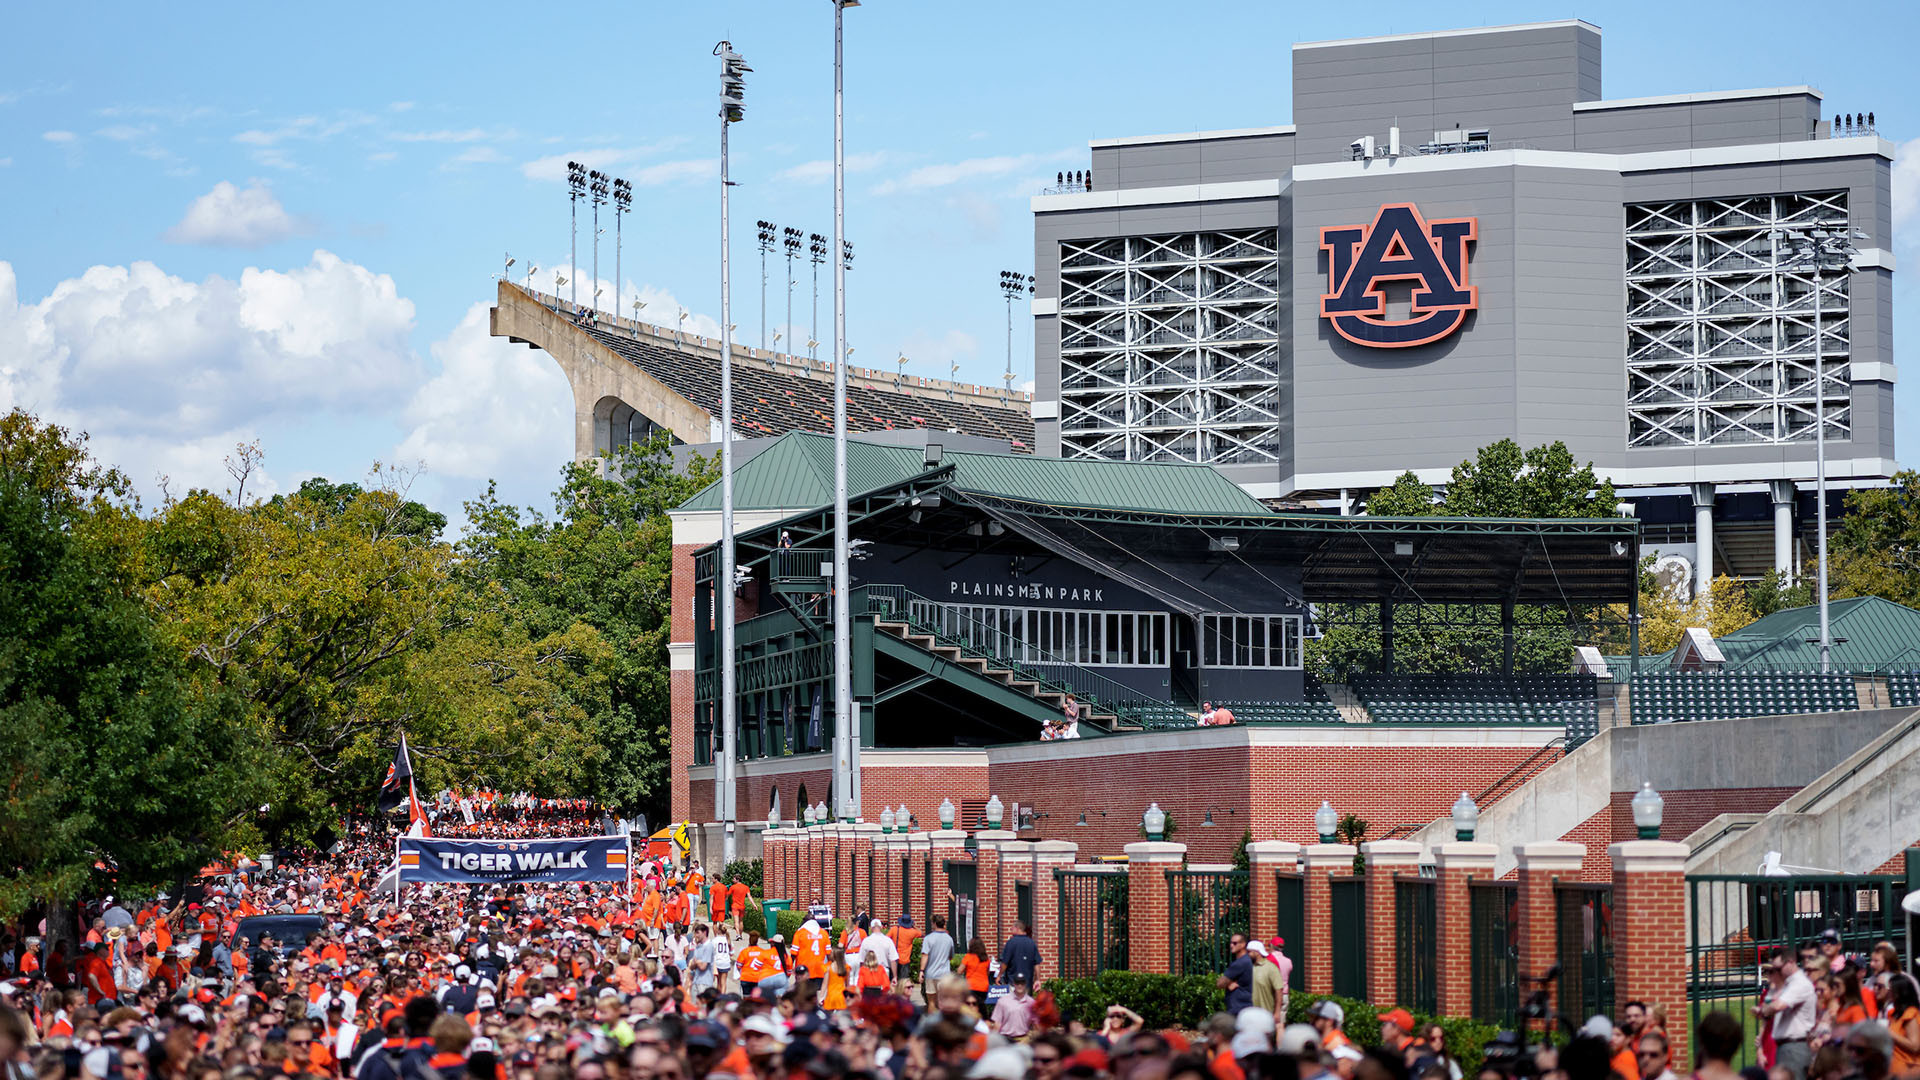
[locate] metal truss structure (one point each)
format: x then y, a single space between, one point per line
1720 347
1170 347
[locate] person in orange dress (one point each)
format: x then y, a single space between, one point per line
873 975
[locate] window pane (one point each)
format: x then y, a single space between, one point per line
1257 642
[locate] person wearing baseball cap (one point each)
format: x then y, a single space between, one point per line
1396 1031
1327 1016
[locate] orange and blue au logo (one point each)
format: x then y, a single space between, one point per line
1399 245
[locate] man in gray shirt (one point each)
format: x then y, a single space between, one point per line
700 974
936 957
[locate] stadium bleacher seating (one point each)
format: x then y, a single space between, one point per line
775 402
1903 689
1661 697
1568 701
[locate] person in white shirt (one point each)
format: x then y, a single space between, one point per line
1792 1012
878 943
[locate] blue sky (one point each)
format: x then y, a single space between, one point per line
229 223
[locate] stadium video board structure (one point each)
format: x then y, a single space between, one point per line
1458 240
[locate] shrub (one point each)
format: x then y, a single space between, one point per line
747 870
789 924
1185 1001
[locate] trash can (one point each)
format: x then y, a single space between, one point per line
773 908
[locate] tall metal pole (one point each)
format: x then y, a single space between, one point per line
846 728
763 287
729 109
1820 462
594 296
1009 378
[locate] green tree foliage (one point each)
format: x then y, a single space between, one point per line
106 757
606 559
1875 548
1500 481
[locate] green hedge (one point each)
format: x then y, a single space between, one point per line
789 923
1185 1001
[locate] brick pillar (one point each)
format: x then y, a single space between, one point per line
993 919
1048 856
1016 866
1266 858
772 884
1317 862
1385 858
1147 927
1538 864
1650 930
1453 922
947 844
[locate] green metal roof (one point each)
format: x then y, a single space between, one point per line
1877 633
796 473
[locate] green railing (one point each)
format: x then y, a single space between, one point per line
1290 920
1418 942
1053 673
1494 951
1736 920
1093 922
1205 908
1583 925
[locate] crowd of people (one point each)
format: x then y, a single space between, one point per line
485 813
671 980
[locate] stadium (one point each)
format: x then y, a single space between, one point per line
1239 335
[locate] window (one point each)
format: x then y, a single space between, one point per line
1250 641
1054 635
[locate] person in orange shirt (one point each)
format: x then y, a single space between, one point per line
717 903
810 951
737 900
974 966
834 997
903 936
873 976
754 962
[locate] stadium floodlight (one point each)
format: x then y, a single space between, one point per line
559 280
816 254
531 270
1012 284
509 265
597 188
622 205
766 232
733 70
576 187
846 254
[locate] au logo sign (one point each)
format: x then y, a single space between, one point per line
1399 245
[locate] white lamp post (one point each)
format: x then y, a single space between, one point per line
1326 822
995 812
1648 807
1466 817
946 814
886 821
1154 821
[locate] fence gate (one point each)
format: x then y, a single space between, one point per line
1023 902
926 890
906 893
1093 922
1205 908
1290 900
1583 925
1494 951
1736 920
1413 911
963 880
1347 931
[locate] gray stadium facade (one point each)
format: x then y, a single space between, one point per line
1608 273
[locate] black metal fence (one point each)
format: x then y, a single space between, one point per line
1290 918
1417 938
1093 922
1583 927
1347 935
1494 950
1205 908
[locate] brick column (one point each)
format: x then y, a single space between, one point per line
1317 862
993 918
947 844
1048 856
772 884
1538 864
1385 858
1016 866
1147 928
1650 930
1266 858
1453 922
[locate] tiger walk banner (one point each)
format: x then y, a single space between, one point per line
499 862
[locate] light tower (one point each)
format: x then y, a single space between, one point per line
1012 284
576 187
846 726
790 241
765 234
622 206
598 188
733 71
816 254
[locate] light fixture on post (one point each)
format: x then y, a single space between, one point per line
576 188
816 254
886 821
1012 284
1466 817
773 816
902 820
1326 822
622 206
1083 820
765 232
1154 821
806 817
994 813
598 186
1648 808
946 814
824 814
733 71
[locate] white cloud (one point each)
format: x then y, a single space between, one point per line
494 408
59 136
554 166
462 136
1906 185
674 172
819 172
947 174
125 132
234 217
383 155
400 106
168 374
475 155
938 357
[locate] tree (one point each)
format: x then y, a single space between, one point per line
1405 497
605 558
106 759
1665 617
1875 549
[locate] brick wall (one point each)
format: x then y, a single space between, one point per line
1650 932
1147 927
919 787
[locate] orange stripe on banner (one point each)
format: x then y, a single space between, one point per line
616 858
410 859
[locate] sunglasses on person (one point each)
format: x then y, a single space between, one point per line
1046 1058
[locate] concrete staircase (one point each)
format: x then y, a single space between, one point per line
1018 681
1345 700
